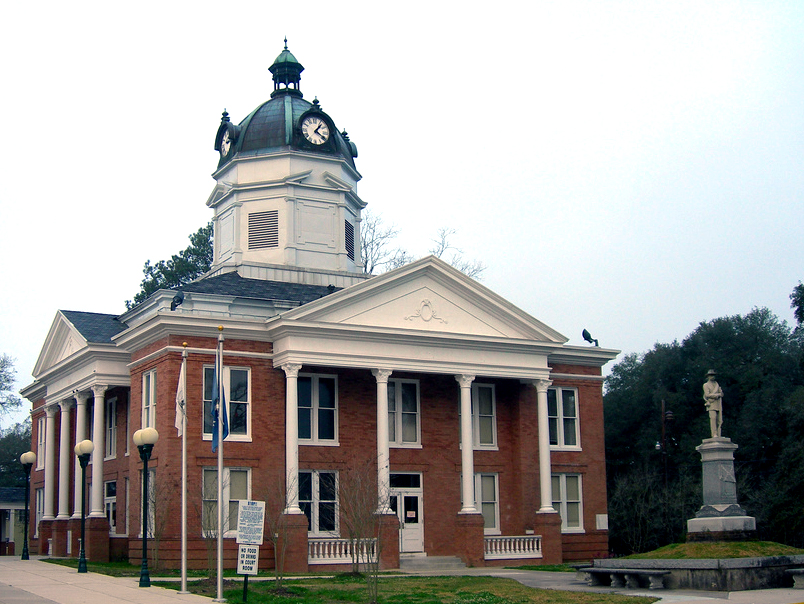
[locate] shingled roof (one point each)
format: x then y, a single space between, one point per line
96 328
232 284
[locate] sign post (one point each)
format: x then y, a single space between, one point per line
250 524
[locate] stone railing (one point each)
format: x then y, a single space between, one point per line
340 551
504 548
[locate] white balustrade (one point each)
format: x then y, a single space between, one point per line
341 551
513 547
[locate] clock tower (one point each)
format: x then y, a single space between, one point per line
285 200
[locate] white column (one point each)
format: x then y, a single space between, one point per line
80 434
98 434
66 455
383 451
292 437
467 445
50 461
545 467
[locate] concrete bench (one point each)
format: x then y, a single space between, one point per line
798 577
625 577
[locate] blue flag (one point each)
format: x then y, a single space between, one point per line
215 413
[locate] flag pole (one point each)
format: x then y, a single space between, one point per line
184 471
219 369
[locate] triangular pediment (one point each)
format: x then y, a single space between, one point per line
62 341
428 296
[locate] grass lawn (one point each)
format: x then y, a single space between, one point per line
404 590
720 549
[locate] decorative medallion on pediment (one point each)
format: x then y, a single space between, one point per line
426 313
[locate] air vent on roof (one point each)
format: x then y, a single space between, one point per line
263 229
350 240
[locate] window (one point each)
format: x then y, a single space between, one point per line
350 240
484 423
111 428
148 399
318 408
110 504
567 501
40 510
318 499
236 486
128 426
40 443
487 498
403 412
263 229
562 413
237 391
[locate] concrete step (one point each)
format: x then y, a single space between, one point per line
430 563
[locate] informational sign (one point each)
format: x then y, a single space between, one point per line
250 522
248 559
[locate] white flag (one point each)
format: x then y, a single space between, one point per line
181 396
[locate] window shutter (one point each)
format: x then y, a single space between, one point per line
350 240
263 229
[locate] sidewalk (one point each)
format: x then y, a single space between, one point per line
37 582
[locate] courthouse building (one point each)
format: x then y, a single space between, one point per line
481 426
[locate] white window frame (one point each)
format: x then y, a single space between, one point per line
39 509
479 501
314 528
209 501
111 429
476 444
41 435
395 416
149 399
557 420
561 502
128 427
110 503
227 383
314 410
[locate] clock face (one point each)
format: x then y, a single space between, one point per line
226 143
315 130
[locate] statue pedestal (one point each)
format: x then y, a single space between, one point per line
720 518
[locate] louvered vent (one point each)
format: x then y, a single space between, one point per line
263 230
350 240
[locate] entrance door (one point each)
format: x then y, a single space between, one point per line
406 501
408 508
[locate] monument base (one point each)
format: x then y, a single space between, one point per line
723 528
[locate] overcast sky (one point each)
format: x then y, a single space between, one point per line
633 168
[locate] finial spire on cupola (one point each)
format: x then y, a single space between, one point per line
286 71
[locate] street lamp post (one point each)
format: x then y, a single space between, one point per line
145 440
27 460
84 451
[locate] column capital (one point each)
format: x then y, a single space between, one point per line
465 380
382 375
50 410
541 385
291 369
66 405
99 390
81 398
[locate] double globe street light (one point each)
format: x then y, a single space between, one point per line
145 439
27 460
84 451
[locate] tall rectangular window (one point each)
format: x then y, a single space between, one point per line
111 429
236 487
318 409
562 413
567 501
237 392
149 399
128 424
403 412
484 421
40 443
487 498
151 498
318 499
110 504
39 510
